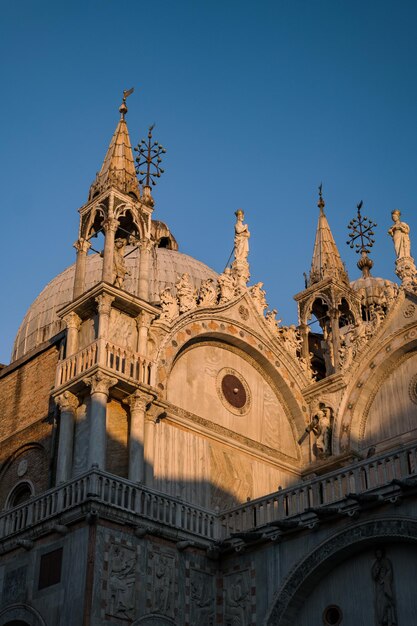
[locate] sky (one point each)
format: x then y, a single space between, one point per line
256 104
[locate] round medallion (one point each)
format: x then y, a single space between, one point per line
22 468
233 391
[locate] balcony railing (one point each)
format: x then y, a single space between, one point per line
357 478
117 493
122 362
148 505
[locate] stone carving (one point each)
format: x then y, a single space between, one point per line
290 595
240 266
203 609
67 401
399 232
390 292
322 425
208 293
119 263
238 599
271 320
186 293
121 582
170 309
14 585
242 235
163 584
226 285
385 605
100 383
292 339
258 297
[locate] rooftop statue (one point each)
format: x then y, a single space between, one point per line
242 235
399 231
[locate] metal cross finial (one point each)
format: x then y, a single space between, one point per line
149 155
361 228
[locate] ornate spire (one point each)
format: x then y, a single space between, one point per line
326 260
361 228
118 169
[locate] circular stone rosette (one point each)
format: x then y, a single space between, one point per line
233 391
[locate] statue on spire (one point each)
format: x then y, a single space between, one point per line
399 232
240 266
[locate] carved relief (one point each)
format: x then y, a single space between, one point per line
163 578
203 608
208 293
226 285
169 304
121 582
14 585
385 604
238 599
186 294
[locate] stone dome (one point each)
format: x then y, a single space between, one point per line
41 321
373 290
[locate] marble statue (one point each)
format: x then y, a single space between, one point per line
399 232
242 235
186 293
322 428
258 297
169 304
226 286
208 293
385 605
119 263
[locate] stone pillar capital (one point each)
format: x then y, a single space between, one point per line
67 401
72 320
145 245
139 400
100 383
110 224
104 302
82 245
144 319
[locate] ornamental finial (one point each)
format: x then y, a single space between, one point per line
321 203
362 230
149 156
123 107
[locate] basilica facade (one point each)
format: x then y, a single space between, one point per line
172 454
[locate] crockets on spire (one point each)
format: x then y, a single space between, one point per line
326 262
118 169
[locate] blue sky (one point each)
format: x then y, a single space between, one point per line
256 104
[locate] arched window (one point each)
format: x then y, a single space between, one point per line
19 494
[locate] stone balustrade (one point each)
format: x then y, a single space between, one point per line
120 497
328 489
117 494
122 362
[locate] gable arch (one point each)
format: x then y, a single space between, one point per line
306 575
376 370
276 366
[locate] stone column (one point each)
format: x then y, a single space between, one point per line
104 302
73 323
100 386
149 449
82 246
145 247
138 402
143 322
110 226
67 404
334 322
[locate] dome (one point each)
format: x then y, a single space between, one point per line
41 321
374 290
